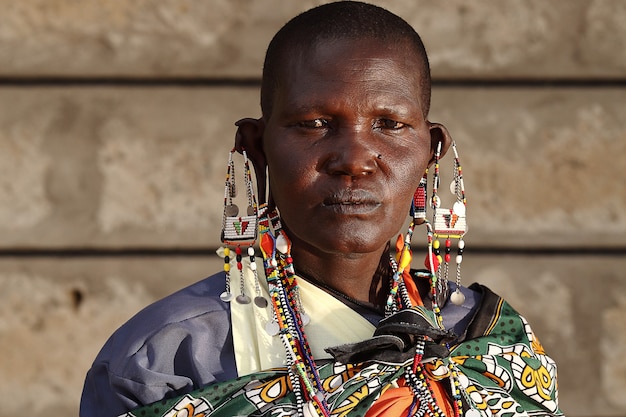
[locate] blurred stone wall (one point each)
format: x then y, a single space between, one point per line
115 121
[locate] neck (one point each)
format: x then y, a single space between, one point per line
362 277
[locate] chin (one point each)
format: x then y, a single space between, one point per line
353 243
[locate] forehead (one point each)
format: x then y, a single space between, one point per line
374 66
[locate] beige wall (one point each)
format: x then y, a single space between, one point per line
116 118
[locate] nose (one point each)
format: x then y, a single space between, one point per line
351 154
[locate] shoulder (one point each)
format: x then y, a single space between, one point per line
197 303
176 344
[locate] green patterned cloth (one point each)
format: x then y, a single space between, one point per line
501 366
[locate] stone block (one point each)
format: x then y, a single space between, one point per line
116 167
145 167
191 38
539 164
55 315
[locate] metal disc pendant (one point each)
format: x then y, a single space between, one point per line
260 301
243 299
226 297
271 327
231 210
250 210
436 201
457 297
458 208
305 319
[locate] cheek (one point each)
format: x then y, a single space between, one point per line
290 181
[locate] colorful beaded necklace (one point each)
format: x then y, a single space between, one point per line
289 318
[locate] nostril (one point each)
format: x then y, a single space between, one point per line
352 162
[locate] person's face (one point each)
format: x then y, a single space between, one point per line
346 144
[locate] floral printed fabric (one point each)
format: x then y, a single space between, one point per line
503 371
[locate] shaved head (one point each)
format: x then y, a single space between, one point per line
334 21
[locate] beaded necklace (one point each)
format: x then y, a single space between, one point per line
288 316
289 320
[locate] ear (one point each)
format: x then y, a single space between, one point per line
438 133
249 137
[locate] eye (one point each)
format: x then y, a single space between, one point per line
389 124
314 124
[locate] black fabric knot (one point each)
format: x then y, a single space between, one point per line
395 339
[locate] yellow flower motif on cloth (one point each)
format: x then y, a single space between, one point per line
533 380
189 406
490 402
533 373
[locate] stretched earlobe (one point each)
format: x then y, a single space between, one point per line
438 133
249 136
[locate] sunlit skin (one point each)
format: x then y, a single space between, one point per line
346 144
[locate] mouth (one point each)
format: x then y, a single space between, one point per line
351 202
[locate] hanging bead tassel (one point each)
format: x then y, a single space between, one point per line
457 297
450 224
238 230
259 300
242 298
226 296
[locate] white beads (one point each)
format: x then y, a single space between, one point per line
281 244
250 251
459 259
309 410
252 266
457 297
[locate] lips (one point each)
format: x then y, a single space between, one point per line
350 201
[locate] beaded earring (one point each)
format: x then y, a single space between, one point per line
240 230
398 297
448 224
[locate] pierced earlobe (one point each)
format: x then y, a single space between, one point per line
249 137
439 139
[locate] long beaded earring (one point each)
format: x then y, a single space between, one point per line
448 224
240 230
